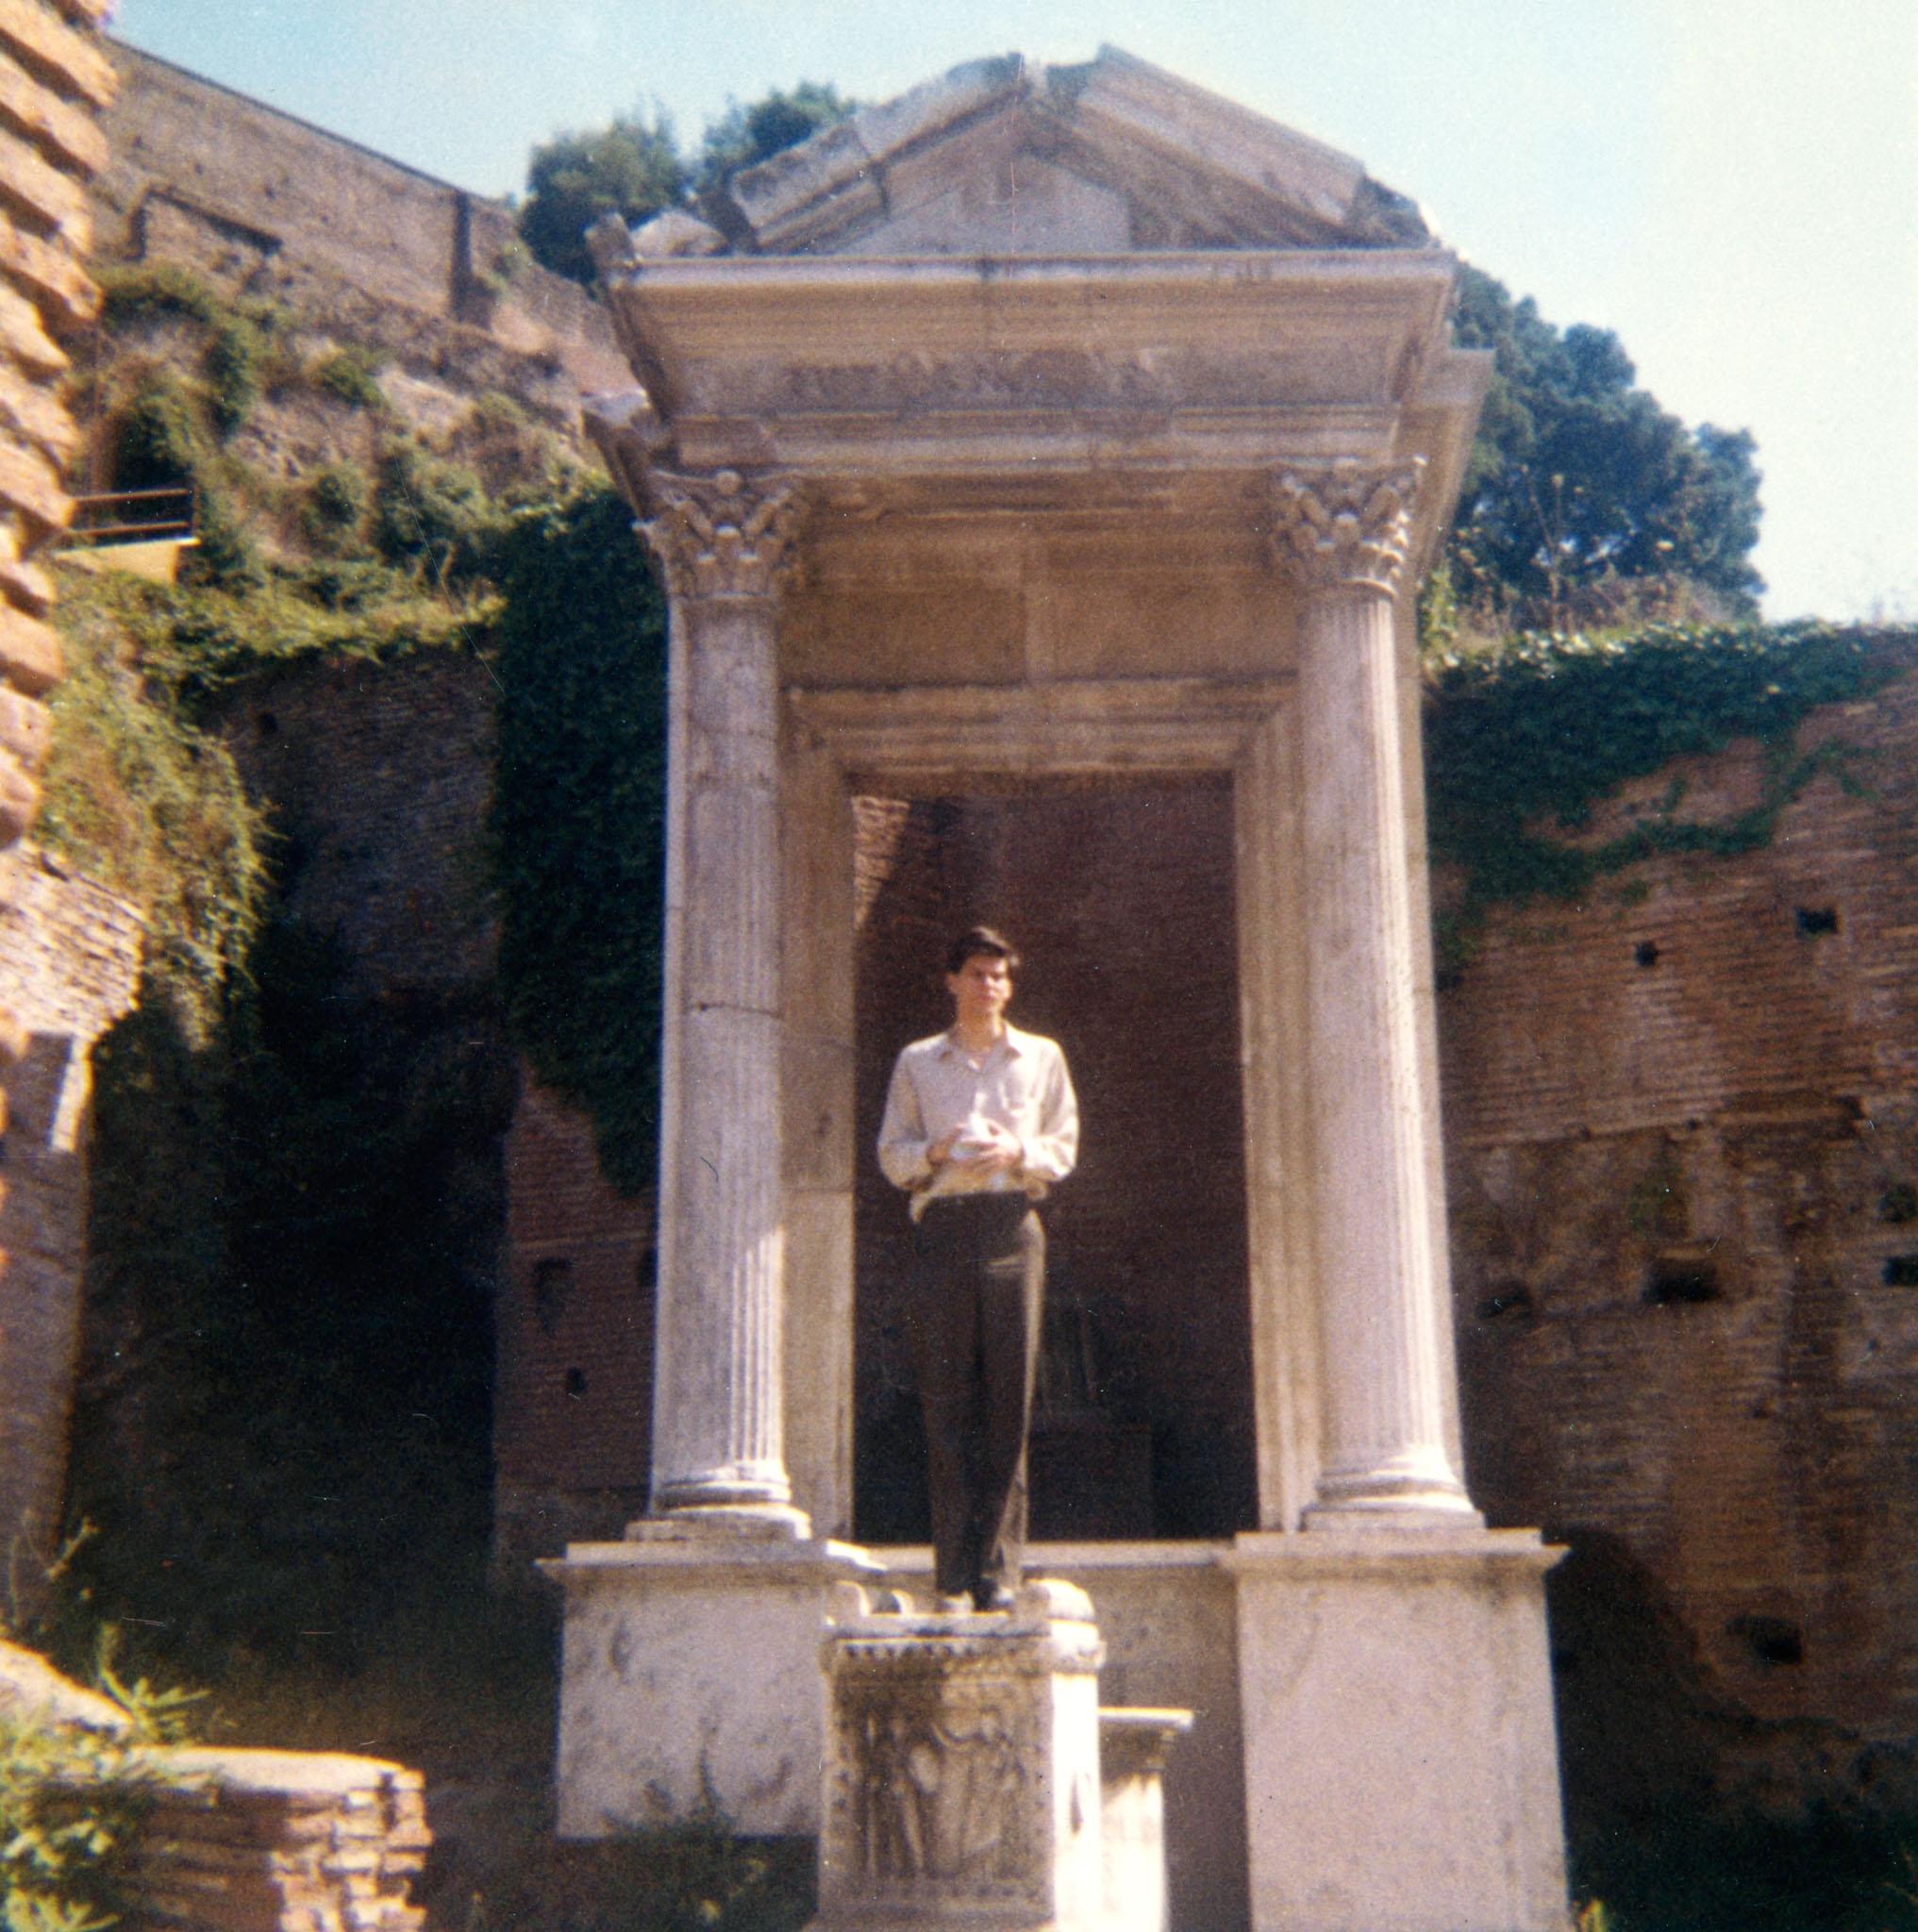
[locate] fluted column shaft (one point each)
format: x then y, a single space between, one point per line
1342 530
718 1402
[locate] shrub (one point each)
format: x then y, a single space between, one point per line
156 441
226 555
426 512
351 374
334 505
232 363
153 290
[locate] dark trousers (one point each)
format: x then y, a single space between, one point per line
978 1279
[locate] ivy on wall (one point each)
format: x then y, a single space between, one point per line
1521 742
578 816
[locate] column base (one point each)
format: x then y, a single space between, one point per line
764 1521
1401 1755
689 1672
1411 1491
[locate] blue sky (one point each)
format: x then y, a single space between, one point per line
1732 185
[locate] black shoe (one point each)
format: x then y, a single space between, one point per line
989 1597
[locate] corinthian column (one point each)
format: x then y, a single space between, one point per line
1342 531
725 541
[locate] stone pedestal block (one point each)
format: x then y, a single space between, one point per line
1401 1757
689 1677
962 1770
1132 1751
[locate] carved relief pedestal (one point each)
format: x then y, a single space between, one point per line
962 1771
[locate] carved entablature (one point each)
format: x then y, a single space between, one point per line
724 535
1345 525
1069 377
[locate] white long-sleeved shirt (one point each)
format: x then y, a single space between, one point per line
1020 1083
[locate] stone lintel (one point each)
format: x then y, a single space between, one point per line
1076 454
1143 727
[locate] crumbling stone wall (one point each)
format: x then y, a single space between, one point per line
204 177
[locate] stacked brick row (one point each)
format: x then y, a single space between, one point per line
279 1841
53 80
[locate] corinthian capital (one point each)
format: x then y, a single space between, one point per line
724 535
1345 525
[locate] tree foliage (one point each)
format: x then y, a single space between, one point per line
1579 480
744 137
632 169
635 168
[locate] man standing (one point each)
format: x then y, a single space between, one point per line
981 1121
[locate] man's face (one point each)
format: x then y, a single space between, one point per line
980 990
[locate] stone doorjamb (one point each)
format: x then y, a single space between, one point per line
938 741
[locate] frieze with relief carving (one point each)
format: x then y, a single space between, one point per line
921 382
724 535
1345 525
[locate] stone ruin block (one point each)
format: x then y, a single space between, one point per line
964 1780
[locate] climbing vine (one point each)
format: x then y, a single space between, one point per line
1524 739
577 826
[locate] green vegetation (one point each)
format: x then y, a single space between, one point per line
631 169
1581 490
157 439
744 137
138 799
578 815
1523 740
74 1801
1688 1873
284 1406
635 168
351 374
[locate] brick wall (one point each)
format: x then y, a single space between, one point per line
53 82
69 968
379 778
1682 1127
572 1404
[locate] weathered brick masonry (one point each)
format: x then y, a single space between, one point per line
206 178
70 967
1682 1128
53 82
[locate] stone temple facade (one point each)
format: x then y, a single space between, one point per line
1047 432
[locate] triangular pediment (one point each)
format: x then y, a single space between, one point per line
1005 158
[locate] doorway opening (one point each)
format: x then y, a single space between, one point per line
1120 900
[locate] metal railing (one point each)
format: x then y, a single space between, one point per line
131 516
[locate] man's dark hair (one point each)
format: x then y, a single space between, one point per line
978 940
